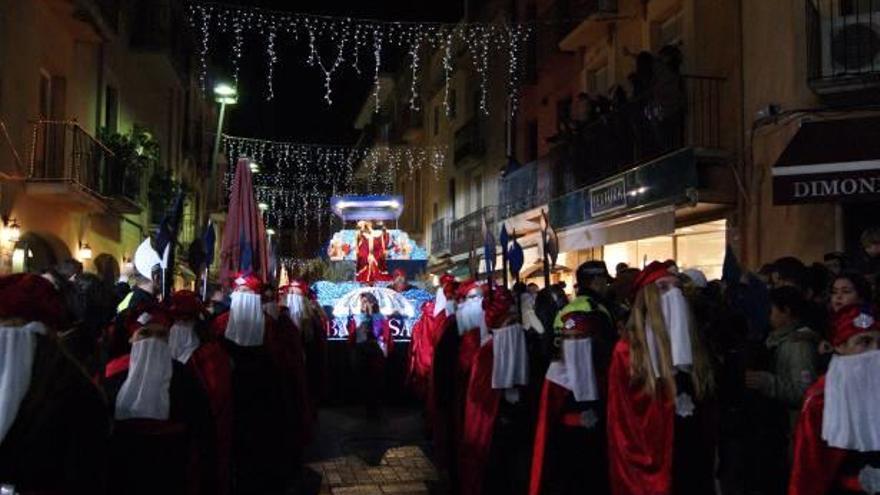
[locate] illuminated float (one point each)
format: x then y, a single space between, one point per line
370 254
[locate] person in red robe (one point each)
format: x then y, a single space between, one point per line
192 345
426 334
836 441
659 388
162 415
54 423
309 319
570 455
494 439
399 283
371 254
441 378
272 421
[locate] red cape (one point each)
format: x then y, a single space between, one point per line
425 335
284 344
481 410
211 365
468 349
552 399
640 433
441 392
816 469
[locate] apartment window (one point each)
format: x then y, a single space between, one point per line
111 109
45 103
453 103
452 198
477 192
436 120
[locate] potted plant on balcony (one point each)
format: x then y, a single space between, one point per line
134 153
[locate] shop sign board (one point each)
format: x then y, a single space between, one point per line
607 197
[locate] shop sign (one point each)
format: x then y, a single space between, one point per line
817 188
608 197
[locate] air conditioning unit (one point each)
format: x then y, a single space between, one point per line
850 45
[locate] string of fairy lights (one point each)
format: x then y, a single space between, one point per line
297 180
337 43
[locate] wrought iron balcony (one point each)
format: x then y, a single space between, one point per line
467 232
526 187
470 141
68 164
440 237
675 113
843 46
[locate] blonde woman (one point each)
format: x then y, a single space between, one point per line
659 382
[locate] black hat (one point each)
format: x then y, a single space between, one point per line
593 268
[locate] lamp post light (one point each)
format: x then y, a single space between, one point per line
224 94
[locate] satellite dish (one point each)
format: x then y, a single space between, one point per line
145 258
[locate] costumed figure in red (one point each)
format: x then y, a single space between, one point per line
270 402
659 388
162 415
570 455
193 345
494 438
53 420
425 335
372 251
399 283
370 335
309 318
442 376
837 442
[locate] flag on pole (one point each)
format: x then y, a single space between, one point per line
504 239
517 258
551 239
488 248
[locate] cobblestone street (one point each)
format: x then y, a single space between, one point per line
356 455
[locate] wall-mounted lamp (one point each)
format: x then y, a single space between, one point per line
85 251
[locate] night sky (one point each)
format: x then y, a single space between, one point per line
298 112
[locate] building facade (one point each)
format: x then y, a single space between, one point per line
103 118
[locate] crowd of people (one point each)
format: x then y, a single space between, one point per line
658 381
116 389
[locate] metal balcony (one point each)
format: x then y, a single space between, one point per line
526 188
467 232
440 237
843 46
68 165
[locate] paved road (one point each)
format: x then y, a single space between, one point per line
353 454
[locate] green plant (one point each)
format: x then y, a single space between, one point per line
133 154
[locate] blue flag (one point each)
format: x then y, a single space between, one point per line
517 258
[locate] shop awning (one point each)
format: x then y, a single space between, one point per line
830 160
642 225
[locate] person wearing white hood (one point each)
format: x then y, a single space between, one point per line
53 420
660 386
270 403
310 322
162 415
837 442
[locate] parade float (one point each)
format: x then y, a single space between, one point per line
377 259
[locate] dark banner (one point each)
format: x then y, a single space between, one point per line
829 187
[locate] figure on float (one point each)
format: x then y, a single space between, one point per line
372 248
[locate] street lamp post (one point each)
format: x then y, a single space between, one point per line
224 94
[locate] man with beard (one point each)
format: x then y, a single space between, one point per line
570 444
660 385
192 345
53 421
309 318
493 451
162 416
837 443
270 423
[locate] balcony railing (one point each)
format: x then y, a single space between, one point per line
843 45
527 187
440 236
467 232
470 140
676 112
65 152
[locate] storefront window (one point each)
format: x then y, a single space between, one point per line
698 246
